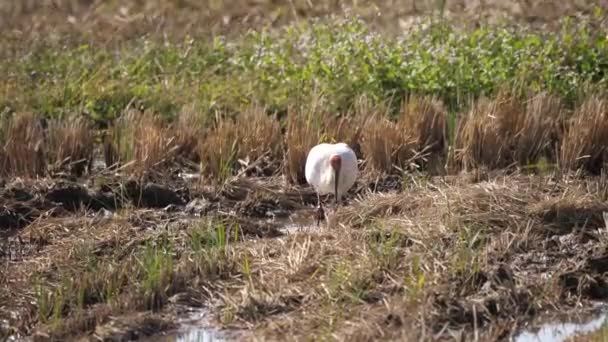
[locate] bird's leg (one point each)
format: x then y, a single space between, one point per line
320 213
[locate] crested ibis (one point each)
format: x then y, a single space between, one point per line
331 168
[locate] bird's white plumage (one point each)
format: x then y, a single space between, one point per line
320 174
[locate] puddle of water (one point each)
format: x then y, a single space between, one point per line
199 335
98 164
298 221
194 327
189 176
191 335
558 331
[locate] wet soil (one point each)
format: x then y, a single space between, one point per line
564 327
548 253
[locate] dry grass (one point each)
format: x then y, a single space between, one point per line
188 132
24 146
503 132
261 135
586 139
300 137
426 117
418 135
444 258
218 150
113 267
500 133
539 134
154 144
111 270
575 212
70 144
486 132
142 141
109 149
346 129
438 260
251 143
386 145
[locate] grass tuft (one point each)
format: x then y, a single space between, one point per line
218 151
261 137
188 131
539 134
71 144
156 265
386 146
419 133
585 143
143 141
211 258
426 119
487 131
24 146
301 136
251 143
503 132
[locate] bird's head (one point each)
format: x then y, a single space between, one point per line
335 161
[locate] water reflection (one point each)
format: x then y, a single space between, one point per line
202 335
298 221
561 330
190 334
194 326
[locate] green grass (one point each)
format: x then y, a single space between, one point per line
209 236
414 280
386 247
157 266
54 303
210 254
467 254
338 62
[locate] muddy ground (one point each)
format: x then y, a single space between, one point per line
99 20
108 258
407 257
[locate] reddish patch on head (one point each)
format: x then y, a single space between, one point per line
335 161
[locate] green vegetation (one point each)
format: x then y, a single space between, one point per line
338 62
433 256
157 266
142 280
401 99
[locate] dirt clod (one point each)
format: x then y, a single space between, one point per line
71 196
152 195
562 216
16 215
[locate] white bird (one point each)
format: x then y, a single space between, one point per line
331 168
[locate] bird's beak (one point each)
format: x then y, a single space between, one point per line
337 181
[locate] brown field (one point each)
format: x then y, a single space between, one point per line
435 251
461 226
114 20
